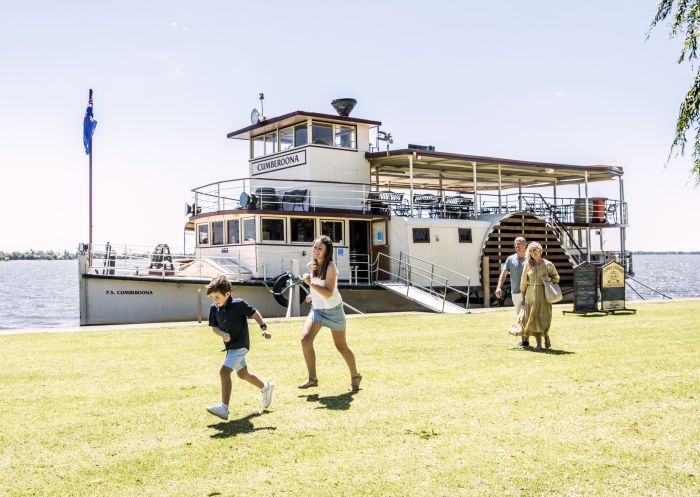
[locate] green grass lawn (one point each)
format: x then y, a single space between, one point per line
449 406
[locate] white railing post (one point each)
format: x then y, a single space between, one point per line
199 305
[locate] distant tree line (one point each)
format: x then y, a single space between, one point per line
666 252
35 255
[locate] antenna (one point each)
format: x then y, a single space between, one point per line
255 116
385 137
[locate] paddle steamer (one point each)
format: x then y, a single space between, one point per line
414 228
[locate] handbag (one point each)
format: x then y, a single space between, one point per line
516 329
552 292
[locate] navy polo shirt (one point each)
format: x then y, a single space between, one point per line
232 318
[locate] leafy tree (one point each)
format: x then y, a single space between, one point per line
685 19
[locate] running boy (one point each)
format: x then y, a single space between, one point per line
228 318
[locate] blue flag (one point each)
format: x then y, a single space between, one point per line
89 124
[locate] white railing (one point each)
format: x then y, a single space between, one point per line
408 270
248 262
279 195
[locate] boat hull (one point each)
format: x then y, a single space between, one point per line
106 299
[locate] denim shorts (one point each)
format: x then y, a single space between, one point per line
235 359
334 317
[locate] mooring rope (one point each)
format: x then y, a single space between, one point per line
649 288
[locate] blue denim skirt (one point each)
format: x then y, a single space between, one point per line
334 318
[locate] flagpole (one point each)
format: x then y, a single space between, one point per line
90 200
90 210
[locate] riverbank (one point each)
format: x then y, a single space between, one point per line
449 406
144 326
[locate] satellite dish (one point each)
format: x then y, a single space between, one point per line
254 116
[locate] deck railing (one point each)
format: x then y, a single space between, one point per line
252 262
279 195
298 195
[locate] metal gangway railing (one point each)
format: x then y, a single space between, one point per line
408 271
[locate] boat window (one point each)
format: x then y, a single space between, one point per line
217 233
321 133
344 136
421 235
233 232
334 230
271 143
203 234
465 235
301 135
249 229
302 229
286 138
258 147
272 229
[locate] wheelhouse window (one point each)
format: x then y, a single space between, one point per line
203 234
302 229
217 233
344 136
286 138
258 146
272 229
321 133
301 135
421 235
233 231
333 230
271 143
465 235
249 229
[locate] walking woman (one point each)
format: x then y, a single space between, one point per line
326 310
537 317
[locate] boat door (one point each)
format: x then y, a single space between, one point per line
380 244
360 253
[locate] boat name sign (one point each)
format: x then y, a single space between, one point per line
129 292
281 162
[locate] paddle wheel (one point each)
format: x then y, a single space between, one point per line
498 245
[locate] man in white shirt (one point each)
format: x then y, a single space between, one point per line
514 266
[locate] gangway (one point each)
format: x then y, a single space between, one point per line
433 295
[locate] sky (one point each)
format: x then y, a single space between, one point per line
552 81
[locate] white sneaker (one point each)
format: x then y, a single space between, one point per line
267 394
220 411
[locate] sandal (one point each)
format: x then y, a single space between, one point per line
354 387
308 384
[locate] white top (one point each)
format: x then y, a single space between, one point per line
318 301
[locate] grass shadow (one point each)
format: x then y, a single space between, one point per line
334 402
543 351
240 426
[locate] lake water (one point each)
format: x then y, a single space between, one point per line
44 294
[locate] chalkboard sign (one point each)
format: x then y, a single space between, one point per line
585 288
612 287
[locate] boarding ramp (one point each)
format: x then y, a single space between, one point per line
404 272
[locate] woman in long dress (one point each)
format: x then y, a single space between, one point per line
537 317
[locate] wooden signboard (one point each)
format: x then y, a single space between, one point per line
612 287
585 288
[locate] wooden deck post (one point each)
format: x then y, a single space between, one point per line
486 280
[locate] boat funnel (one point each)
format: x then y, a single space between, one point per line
344 106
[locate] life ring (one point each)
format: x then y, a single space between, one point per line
281 284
